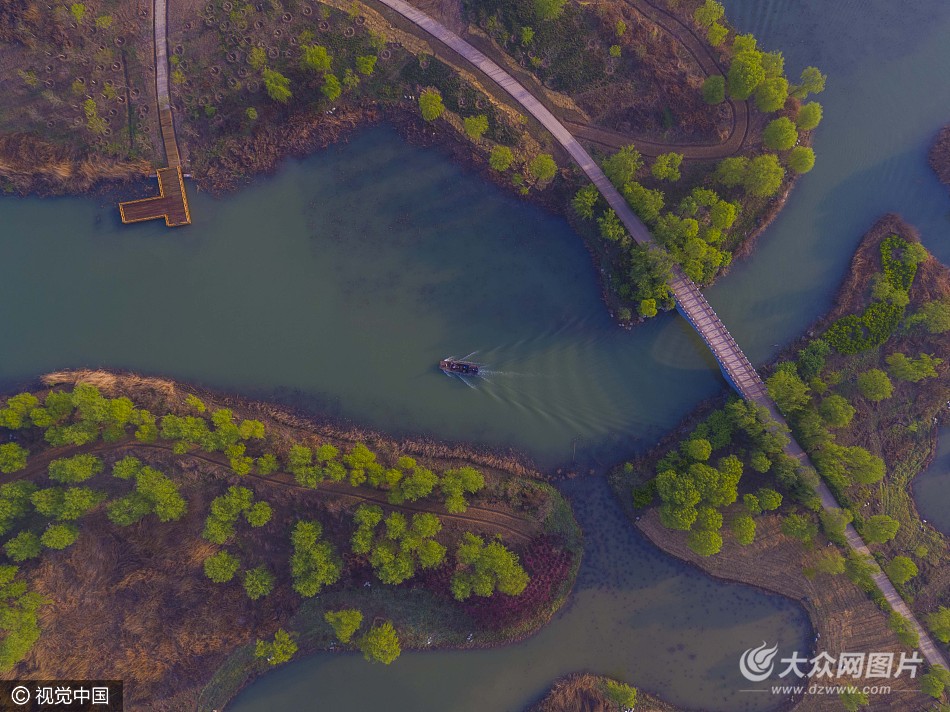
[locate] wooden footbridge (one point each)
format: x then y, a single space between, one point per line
690 302
171 203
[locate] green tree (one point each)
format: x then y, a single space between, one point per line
667 166
732 171
714 89
12 458
835 521
931 684
366 64
906 633
745 74
809 116
25 545
836 411
344 623
716 34
457 483
799 526
812 82
704 542
764 176
908 369
258 582
622 694
830 561
486 568
621 168
59 536
331 87
646 203
430 102
647 308
771 94
543 167
257 58
548 9
879 528
852 699
77 501
708 13
801 159
585 200
277 651
314 564
78 11
78 468
316 58
698 449
780 134
611 229
614 51
277 86
476 126
934 316
788 391
743 526
501 158
875 385
221 567
939 623
258 514
900 569
381 644
769 500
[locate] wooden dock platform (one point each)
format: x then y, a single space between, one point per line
171 202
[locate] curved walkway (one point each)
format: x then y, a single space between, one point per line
689 300
161 84
708 62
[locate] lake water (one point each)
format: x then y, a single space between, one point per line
338 284
932 486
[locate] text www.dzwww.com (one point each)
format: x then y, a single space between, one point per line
830 689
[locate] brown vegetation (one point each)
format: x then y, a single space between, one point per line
585 693
940 155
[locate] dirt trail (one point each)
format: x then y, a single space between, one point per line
517 527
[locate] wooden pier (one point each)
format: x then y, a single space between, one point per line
171 202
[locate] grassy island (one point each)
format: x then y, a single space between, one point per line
864 393
186 542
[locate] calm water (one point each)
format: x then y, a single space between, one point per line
339 283
932 486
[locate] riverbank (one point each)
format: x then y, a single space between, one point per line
144 586
899 429
584 692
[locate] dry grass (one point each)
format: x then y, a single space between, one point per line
584 693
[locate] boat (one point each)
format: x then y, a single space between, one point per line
452 366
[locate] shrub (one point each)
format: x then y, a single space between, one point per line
714 89
12 458
331 87
622 694
430 102
667 166
317 59
25 545
366 64
344 623
900 569
476 126
501 158
875 385
278 651
277 86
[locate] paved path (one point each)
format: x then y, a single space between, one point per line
161 84
690 301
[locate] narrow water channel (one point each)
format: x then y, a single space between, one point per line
932 486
